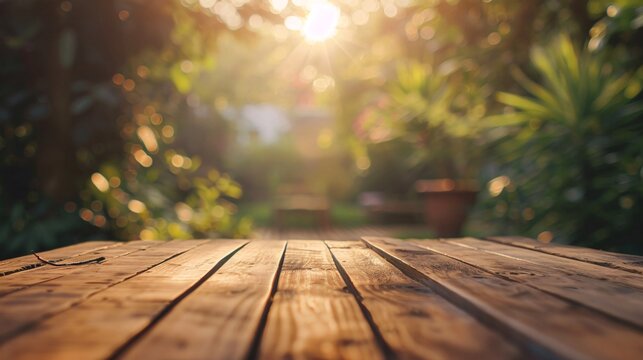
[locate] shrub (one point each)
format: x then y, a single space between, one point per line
574 149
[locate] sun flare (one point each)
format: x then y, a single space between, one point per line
321 22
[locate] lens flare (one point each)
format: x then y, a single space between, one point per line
321 22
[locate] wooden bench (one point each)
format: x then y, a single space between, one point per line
376 298
291 206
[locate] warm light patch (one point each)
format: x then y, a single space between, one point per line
141 157
146 134
363 163
123 15
497 185
100 220
118 79
293 23
114 181
100 182
183 211
278 5
86 214
167 131
545 236
321 22
177 160
136 206
129 85
147 234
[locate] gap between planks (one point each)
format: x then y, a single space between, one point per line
253 353
174 302
314 314
220 319
413 320
299 260
41 274
105 324
579 282
546 325
22 310
623 262
257 347
387 351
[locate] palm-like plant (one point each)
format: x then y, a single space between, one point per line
575 147
440 114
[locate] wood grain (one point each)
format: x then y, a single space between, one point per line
625 262
313 315
416 322
570 281
219 320
23 309
98 327
546 325
24 279
570 266
11 266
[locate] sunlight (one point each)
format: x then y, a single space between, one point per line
321 22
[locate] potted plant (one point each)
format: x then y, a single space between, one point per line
438 111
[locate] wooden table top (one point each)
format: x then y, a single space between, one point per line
379 298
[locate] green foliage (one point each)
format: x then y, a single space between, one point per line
159 190
261 168
342 215
574 149
30 227
77 80
438 109
394 168
100 118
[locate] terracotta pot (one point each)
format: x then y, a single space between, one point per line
447 204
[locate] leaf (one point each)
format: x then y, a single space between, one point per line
611 91
504 120
522 103
569 56
537 90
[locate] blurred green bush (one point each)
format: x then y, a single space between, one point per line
574 150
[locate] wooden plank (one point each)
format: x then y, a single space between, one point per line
97 328
313 315
631 263
220 319
24 279
414 321
27 262
570 266
540 272
23 309
548 326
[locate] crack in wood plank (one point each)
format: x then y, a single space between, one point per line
23 263
22 310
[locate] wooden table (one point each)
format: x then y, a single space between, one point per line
374 299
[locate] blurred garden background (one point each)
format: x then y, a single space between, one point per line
170 119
